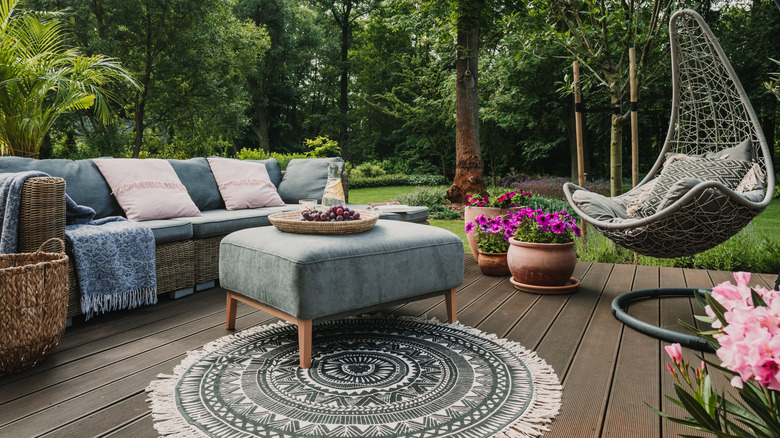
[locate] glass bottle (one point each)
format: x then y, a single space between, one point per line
334 191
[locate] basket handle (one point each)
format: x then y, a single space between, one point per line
55 239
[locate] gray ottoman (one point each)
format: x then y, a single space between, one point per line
303 277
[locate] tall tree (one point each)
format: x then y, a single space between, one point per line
468 162
599 35
345 14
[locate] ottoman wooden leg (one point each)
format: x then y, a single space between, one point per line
230 318
304 342
452 306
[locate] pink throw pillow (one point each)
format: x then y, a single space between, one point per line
244 184
146 188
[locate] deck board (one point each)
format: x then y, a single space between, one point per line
94 383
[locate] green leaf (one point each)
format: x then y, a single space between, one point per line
697 411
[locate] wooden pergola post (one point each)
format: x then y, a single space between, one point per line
634 117
578 129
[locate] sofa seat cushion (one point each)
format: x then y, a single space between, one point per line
169 230
83 181
219 222
413 213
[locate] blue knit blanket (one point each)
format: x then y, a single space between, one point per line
114 257
115 260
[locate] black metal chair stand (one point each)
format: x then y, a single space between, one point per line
620 303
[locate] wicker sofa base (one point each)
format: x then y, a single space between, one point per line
207 258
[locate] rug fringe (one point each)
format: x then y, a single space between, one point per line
544 405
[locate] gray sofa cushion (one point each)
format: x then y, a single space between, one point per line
196 176
273 168
305 178
218 222
168 230
84 182
316 276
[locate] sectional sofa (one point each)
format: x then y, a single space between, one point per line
187 248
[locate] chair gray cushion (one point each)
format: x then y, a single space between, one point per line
598 207
305 178
727 172
196 176
83 181
742 152
169 230
316 276
273 168
219 222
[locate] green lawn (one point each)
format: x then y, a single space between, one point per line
769 221
377 194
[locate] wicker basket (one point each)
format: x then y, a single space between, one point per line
290 222
33 304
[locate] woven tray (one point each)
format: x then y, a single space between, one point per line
290 222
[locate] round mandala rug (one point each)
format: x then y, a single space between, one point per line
370 377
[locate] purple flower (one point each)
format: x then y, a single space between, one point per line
557 227
469 227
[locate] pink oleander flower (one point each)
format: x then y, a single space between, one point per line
675 352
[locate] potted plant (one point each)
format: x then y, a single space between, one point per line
541 253
491 206
492 235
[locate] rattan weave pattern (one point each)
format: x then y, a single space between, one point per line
175 269
33 302
207 258
41 213
710 112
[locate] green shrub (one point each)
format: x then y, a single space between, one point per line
259 154
322 147
367 170
427 196
378 181
426 180
441 212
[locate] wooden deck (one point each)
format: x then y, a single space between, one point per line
93 384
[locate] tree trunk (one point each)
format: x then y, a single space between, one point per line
260 128
140 96
346 37
469 178
615 142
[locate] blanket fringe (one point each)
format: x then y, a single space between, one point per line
92 305
545 403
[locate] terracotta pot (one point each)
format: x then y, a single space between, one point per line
471 212
541 264
493 263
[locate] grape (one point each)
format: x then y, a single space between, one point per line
324 216
339 211
356 215
339 218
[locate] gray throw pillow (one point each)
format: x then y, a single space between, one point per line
83 181
273 168
196 176
305 178
727 172
742 151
